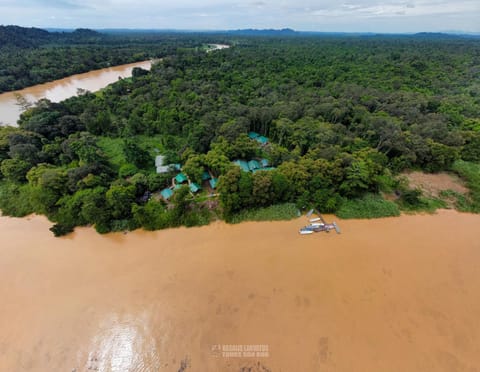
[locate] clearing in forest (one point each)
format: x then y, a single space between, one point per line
433 184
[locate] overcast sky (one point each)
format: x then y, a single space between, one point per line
309 15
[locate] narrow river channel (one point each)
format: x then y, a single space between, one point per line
59 90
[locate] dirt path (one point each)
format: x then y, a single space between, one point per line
433 184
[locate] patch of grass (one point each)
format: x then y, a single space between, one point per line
370 206
278 212
432 204
413 201
198 217
203 196
470 172
461 202
429 205
113 148
150 143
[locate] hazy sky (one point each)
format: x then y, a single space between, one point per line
314 15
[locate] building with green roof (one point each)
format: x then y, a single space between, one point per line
194 187
253 135
206 176
180 178
242 164
262 140
253 164
166 193
213 183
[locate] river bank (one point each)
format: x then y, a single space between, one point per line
389 294
59 90
213 47
62 89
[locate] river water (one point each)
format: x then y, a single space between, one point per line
59 90
396 294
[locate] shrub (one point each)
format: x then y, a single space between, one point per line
276 212
411 197
127 170
470 172
60 230
370 206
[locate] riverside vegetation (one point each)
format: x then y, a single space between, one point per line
343 115
30 56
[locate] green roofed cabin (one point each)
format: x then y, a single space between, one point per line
262 140
206 176
265 163
194 187
253 135
242 164
166 193
180 178
213 183
253 165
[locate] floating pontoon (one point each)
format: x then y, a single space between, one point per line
318 224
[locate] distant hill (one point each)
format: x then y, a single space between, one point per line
79 36
24 37
265 32
85 31
444 35
433 35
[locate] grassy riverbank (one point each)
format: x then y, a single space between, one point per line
470 172
279 212
370 206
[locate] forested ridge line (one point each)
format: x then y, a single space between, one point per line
340 117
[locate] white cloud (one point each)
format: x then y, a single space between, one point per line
322 15
421 8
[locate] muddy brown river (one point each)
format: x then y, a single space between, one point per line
59 90
397 294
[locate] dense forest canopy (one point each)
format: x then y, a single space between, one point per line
30 56
342 116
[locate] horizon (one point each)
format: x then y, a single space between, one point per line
364 16
274 30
